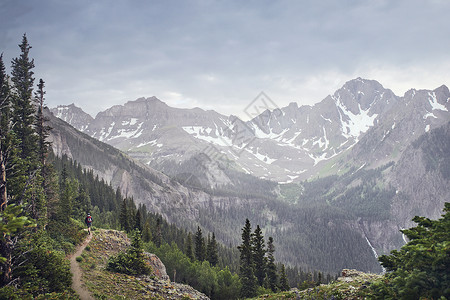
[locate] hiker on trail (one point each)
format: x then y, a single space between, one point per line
88 222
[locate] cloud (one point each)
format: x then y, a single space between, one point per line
221 54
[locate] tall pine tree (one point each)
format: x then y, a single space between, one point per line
272 277
188 248
42 129
24 112
284 284
16 165
147 232
213 256
200 248
123 217
5 132
246 273
157 237
259 255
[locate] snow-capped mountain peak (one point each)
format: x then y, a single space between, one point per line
285 144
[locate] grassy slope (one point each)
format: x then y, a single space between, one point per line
104 284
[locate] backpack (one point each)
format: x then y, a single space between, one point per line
89 219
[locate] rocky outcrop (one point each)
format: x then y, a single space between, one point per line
351 275
351 285
158 268
170 290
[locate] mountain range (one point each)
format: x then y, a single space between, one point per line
353 169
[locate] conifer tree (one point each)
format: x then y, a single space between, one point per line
272 277
24 112
5 143
246 271
13 180
259 255
83 202
284 284
420 269
5 134
41 128
188 248
147 232
131 212
137 220
123 217
68 192
200 248
213 256
157 237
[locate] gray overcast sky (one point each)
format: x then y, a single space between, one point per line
221 54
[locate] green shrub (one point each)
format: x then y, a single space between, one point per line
132 261
42 269
419 270
79 259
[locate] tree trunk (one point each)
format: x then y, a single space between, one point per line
3 194
5 243
6 267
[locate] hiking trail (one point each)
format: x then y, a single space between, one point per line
75 269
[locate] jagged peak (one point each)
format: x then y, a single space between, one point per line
442 88
152 100
357 83
292 105
64 108
71 105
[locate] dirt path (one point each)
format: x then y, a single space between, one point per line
76 271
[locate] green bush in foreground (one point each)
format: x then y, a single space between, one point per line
132 261
420 269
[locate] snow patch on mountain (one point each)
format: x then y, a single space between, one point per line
131 122
127 133
353 125
105 133
264 158
435 105
428 115
198 132
271 135
61 113
151 143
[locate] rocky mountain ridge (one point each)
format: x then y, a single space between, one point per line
73 115
283 144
